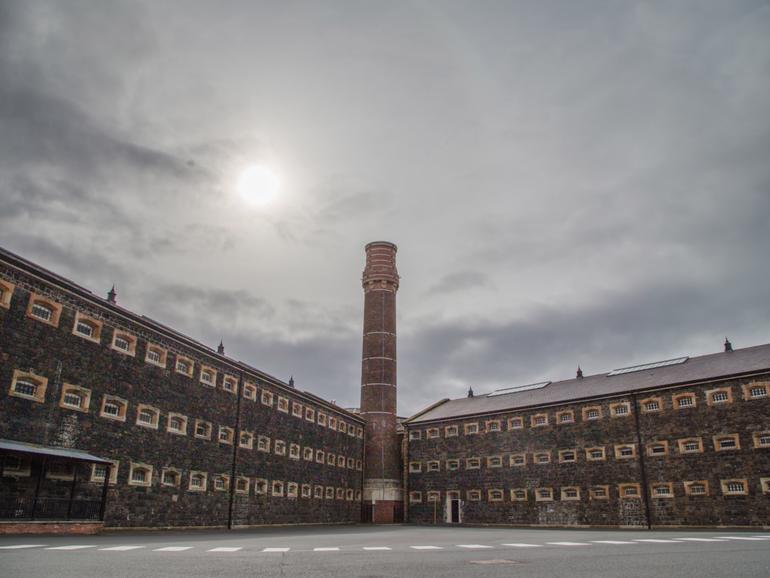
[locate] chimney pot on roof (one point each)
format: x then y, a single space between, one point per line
291 381
470 392
728 345
579 373
111 296
221 348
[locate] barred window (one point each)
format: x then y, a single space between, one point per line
177 424
696 488
542 457
242 485
307 454
170 477
415 434
516 423
473 495
472 463
539 419
544 494
280 447
595 454
493 425
734 487
208 376
184 366
662 491
202 429
292 490
230 383
651 406
75 397
471 428
494 461
250 391
294 451
657 449
592 413
434 466
319 456
277 489
432 432
147 416
28 386
518 459
495 495
415 467
266 398
124 342
684 400
570 493
283 404
140 475
599 492
197 481
260 486
629 490
453 465
567 456
620 409
518 494
296 409
726 442
415 497
758 391
450 431
246 440
565 416
226 434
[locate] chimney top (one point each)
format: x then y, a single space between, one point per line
111 296
579 373
470 392
728 345
291 381
380 269
221 348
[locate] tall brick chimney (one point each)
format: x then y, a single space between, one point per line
382 474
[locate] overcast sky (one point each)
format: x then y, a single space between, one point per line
567 182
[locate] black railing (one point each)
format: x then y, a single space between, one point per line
44 508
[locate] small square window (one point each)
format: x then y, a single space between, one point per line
592 413
294 451
27 385
518 459
277 489
332 422
140 475
202 429
305 491
518 495
662 490
415 434
471 428
87 327
321 419
696 488
719 396
6 292
113 408
544 495
451 431
279 446
570 494
184 365
170 477
307 454
539 420
515 423
292 490
542 457
340 461
147 416
434 497
98 472
567 456
690 446
415 497
596 454
415 467
727 443
250 391
266 398
599 492
494 461
197 481
452 465
683 400
625 452
226 435
246 440
75 397
434 466
473 495
318 492
340 493
156 355
342 426
756 390
242 485
495 495
472 463
260 486
493 425
762 439
765 485
657 448
621 409
320 457
329 494
651 405
43 309
283 404
566 416
296 409
208 376
123 342
176 424
432 433
310 414
331 459
629 491
230 384
735 487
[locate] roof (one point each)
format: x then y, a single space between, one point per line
29 267
64 453
695 369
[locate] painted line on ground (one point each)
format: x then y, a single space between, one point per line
173 549
473 546
225 549
657 541
568 543
524 545
611 542
426 547
377 548
275 549
334 549
20 546
702 539
120 548
74 547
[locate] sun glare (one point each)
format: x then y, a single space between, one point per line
258 184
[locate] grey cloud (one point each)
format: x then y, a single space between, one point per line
459 281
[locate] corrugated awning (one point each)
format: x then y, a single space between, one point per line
62 453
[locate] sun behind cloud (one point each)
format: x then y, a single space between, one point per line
258 184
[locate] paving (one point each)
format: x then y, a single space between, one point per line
374 551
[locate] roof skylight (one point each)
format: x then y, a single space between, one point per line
646 366
518 388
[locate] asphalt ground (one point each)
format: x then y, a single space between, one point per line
385 551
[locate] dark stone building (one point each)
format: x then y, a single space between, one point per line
196 438
685 442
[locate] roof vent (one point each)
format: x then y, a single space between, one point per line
518 388
645 366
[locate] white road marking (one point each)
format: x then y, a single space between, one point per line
224 549
524 545
474 546
740 538
19 546
275 549
656 541
377 548
120 548
568 543
326 549
78 547
173 549
702 539
426 547
610 542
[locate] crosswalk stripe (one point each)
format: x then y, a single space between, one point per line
657 541
275 549
377 548
224 549
120 548
173 549
610 542
20 546
568 543
426 547
326 549
473 546
524 545
78 547
702 539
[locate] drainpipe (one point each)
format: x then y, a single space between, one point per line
642 472
236 444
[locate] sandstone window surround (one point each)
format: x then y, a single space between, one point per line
250 391
541 458
113 407
473 495
306 491
331 459
140 474
657 448
260 486
493 425
415 434
625 451
342 426
472 463
359 465
433 496
544 494
242 485
292 490
432 433
568 456
43 309
592 413
267 398
451 431
620 409
329 493
719 396
756 390
277 489
230 383
318 492
87 327
415 497
60 471
332 422
170 477
765 485
495 495
570 494
226 435
651 405
75 397
197 481
599 493
208 376
518 460
246 440
307 454
320 457
340 461
761 439
147 416
176 423
123 342
735 487
596 454
629 491
360 432
340 493
6 292
565 416
471 428
294 451
696 488
352 464
184 365
495 461
518 494
279 446
539 420
690 445
321 419
684 400
296 409
515 423
452 465
28 385
202 429
221 482
98 471
727 443
156 355
662 490
310 414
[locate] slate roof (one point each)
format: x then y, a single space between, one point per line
63 453
703 368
